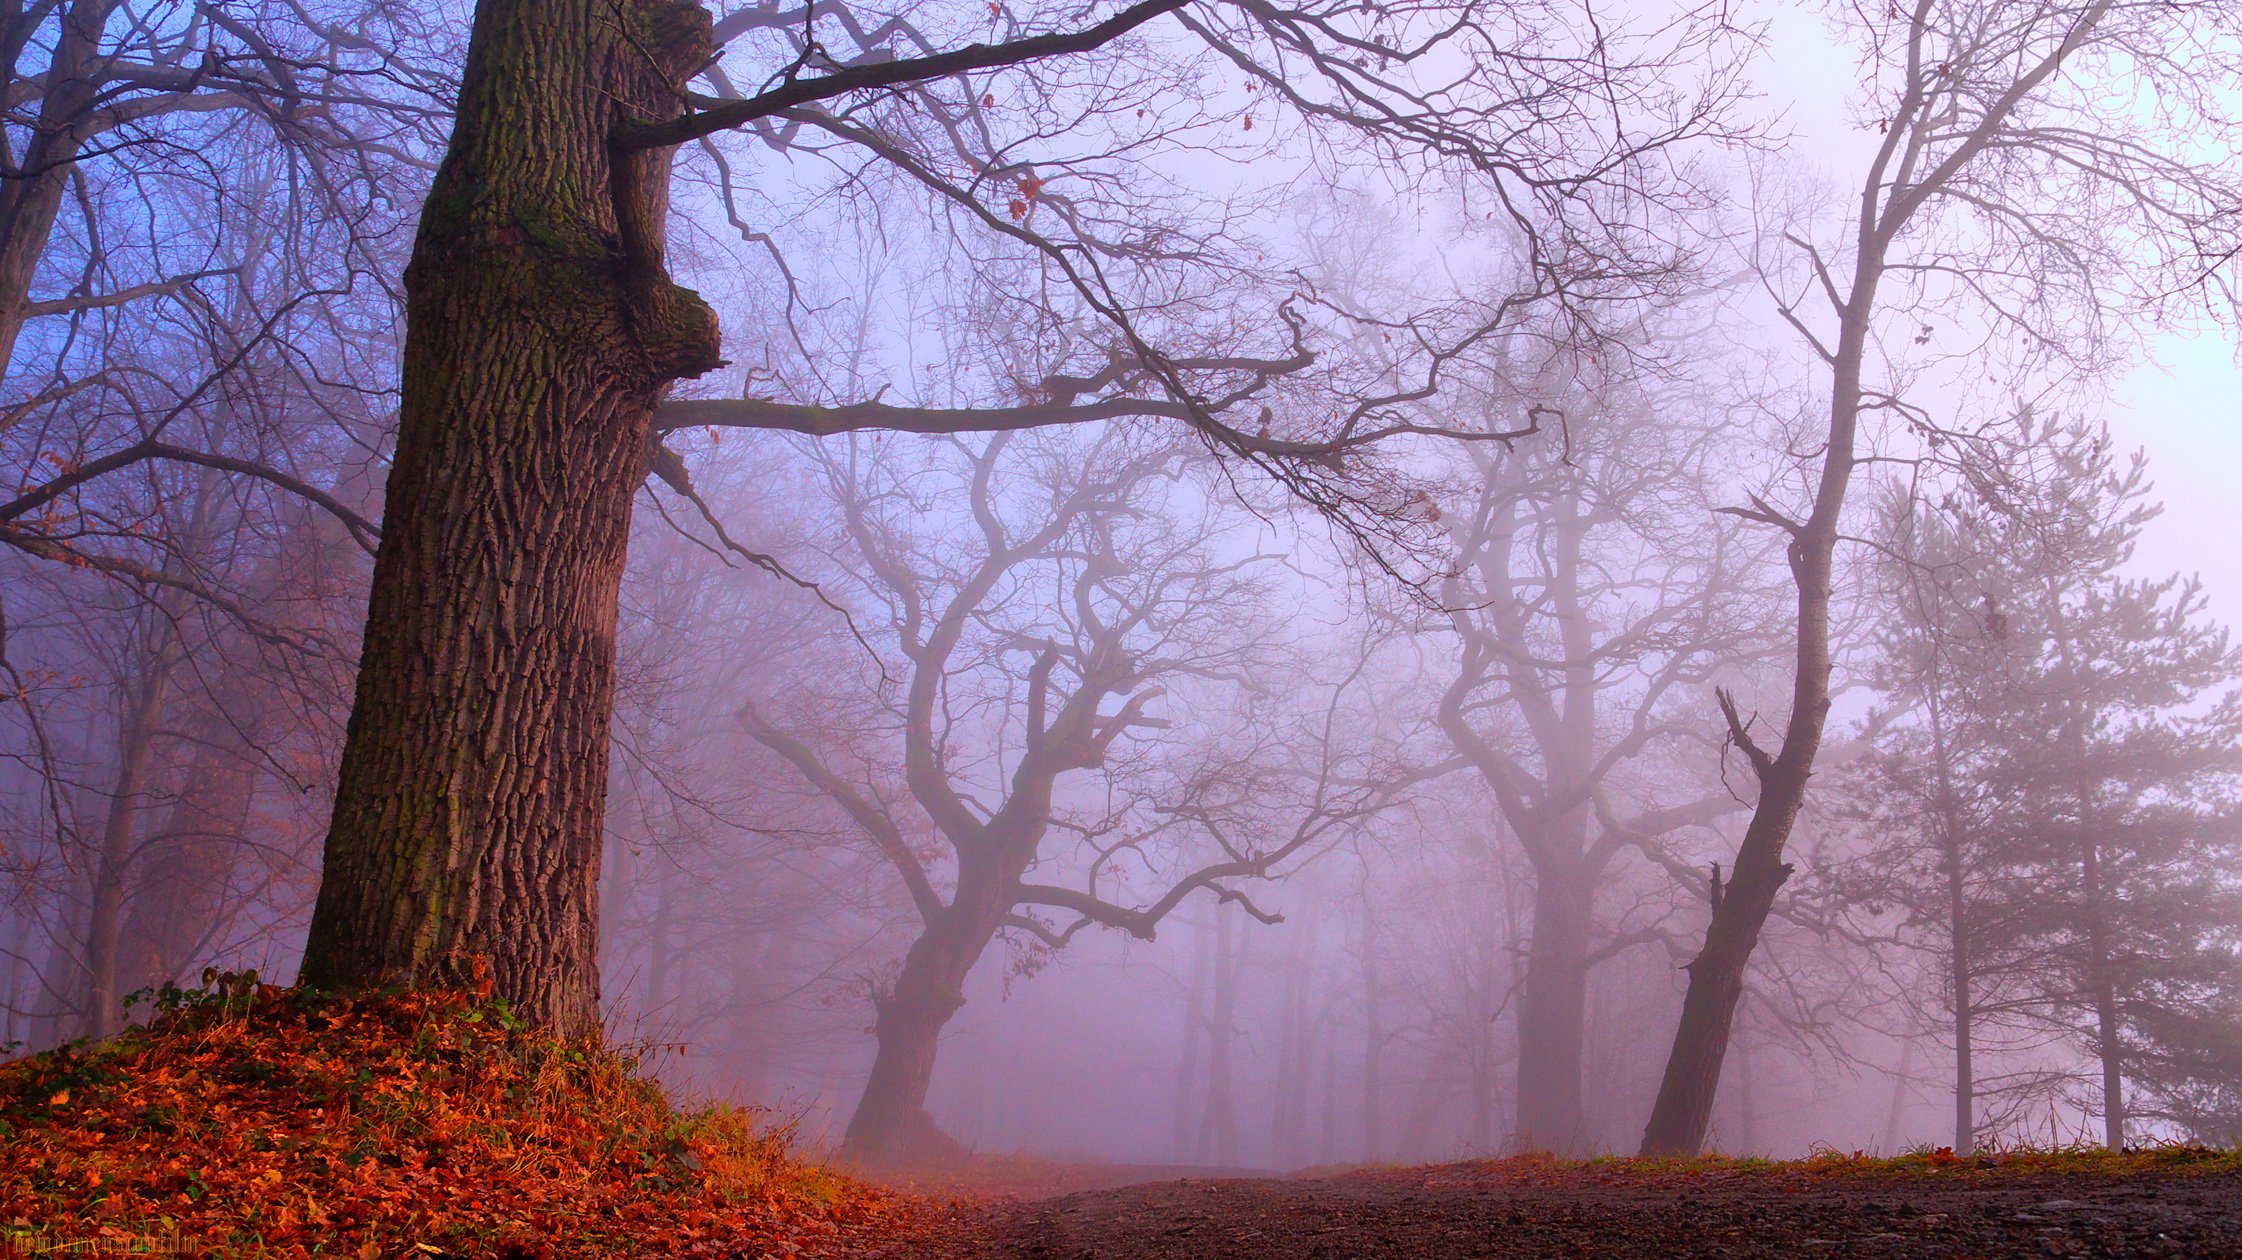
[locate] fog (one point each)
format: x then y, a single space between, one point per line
1302 587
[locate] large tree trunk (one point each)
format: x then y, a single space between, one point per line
891 1124
1552 1017
541 331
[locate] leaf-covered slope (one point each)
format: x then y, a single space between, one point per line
257 1121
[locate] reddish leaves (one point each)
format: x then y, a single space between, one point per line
390 1126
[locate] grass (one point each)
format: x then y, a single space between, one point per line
253 1121
1829 1163
1022 1176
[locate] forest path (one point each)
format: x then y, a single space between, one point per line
1468 1210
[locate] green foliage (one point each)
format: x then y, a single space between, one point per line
2056 786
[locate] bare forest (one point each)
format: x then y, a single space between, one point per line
1194 588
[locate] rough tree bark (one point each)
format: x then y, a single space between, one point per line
542 329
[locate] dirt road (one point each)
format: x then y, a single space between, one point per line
1493 1211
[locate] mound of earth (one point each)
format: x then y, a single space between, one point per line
252 1121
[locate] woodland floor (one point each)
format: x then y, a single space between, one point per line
257 1123
1930 1207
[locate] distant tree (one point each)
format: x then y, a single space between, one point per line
1083 686
1592 590
2060 811
725 912
197 600
1906 789
189 198
138 99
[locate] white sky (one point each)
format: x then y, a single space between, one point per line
2185 412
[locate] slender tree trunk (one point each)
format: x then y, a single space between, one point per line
1292 1033
1898 1110
1218 1135
541 330
1327 1151
1958 960
1949 822
136 738
1716 976
1483 1093
12 995
661 946
183 900
2099 977
1716 980
1373 1048
1194 1020
1553 1015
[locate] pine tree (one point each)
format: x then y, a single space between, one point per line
2057 813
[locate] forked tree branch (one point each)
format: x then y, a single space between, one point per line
716 114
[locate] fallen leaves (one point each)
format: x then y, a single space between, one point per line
274 1124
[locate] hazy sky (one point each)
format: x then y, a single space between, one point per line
2185 412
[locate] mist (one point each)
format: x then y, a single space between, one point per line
1279 588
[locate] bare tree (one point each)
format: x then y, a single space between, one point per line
2016 215
231 177
1592 588
1044 646
196 209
